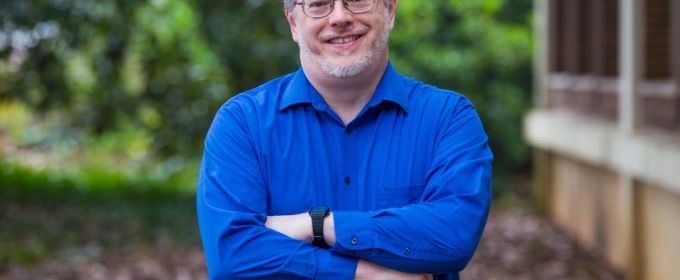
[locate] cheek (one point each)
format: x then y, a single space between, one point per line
306 35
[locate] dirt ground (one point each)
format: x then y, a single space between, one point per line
516 245
521 245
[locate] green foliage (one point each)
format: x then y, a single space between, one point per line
86 159
481 49
111 64
46 214
69 194
164 67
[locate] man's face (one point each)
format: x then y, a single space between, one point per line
343 44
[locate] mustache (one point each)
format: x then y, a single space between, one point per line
330 34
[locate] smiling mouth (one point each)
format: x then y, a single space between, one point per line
344 40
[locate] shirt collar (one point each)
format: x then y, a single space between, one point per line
300 91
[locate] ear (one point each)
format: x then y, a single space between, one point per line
393 13
293 25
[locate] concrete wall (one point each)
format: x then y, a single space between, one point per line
618 193
606 128
584 200
659 230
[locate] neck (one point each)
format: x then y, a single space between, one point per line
346 96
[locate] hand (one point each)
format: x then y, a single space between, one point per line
369 270
298 226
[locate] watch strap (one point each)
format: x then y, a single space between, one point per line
318 215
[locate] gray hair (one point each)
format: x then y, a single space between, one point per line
289 5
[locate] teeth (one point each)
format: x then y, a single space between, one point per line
344 40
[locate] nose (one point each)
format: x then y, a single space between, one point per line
340 15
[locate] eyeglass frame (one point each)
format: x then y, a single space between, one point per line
304 11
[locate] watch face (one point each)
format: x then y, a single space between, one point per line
320 210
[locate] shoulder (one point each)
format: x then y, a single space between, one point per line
264 96
246 108
428 97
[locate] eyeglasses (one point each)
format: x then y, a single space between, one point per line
322 8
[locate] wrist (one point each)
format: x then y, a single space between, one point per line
307 224
329 230
318 217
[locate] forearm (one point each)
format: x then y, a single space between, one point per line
411 239
428 237
416 238
403 238
236 247
299 227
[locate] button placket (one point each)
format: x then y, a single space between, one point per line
348 181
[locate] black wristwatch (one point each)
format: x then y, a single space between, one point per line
318 214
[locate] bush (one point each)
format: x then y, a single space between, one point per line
164 67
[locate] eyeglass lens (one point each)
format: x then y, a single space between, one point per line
322 8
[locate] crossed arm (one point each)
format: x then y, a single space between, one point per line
299 227
436 235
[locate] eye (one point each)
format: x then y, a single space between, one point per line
318 4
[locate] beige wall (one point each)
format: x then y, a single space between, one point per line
659 229
612 179
584 199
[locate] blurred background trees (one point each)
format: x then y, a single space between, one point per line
147 76
104 105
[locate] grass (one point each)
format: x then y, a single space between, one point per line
44 214
66 193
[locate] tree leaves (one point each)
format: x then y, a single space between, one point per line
166 66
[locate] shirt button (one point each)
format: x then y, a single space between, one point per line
348 130
347 180
354 241
351 252
407 250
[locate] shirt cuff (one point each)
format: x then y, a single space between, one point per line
353 233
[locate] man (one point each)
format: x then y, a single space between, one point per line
345 169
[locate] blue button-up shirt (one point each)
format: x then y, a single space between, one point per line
408 180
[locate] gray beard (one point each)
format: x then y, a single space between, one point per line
341 71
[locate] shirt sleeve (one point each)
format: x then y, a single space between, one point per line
232 205
440 233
